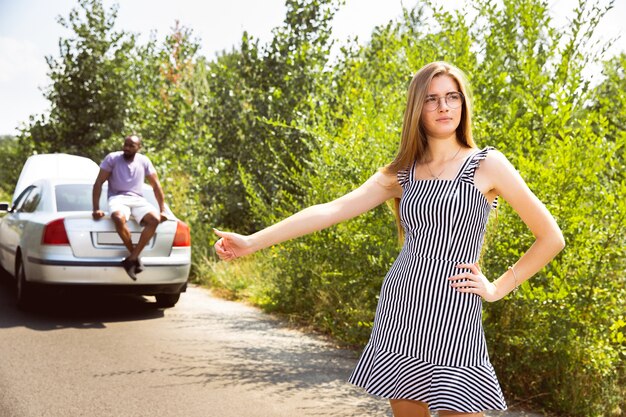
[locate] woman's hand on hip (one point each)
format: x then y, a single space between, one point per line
474 282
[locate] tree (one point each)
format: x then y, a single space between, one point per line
90 91
9 157
171 100
609 97
258 92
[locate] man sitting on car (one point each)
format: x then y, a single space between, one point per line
126 171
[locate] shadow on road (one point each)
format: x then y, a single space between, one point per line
227 345
70 310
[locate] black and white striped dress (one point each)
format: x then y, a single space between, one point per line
428 343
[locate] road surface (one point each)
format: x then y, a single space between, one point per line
121 356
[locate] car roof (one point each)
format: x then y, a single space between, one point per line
56 166
65 181
72 181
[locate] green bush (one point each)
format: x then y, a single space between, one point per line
10 156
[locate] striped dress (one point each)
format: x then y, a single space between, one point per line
427 343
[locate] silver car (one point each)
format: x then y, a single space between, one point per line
48 239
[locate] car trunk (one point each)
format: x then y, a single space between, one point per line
98 239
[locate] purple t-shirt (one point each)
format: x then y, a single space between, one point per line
127 177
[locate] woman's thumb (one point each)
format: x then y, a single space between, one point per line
220 233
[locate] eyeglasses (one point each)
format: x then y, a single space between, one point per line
454 100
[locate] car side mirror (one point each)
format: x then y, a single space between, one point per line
4 207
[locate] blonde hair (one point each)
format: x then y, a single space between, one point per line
414 143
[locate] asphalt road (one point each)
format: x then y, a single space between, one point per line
121 356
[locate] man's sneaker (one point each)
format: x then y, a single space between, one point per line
129 267
139 266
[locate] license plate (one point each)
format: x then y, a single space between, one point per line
112 238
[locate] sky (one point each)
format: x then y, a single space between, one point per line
29 32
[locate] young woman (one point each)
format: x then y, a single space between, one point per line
427 348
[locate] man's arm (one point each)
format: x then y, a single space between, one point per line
97 190
153 179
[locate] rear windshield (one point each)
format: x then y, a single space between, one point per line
77 197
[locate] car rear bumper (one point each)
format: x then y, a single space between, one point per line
158 271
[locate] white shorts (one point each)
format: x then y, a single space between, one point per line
127 205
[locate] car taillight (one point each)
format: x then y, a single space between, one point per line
182 236
54 233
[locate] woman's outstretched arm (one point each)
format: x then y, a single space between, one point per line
375 191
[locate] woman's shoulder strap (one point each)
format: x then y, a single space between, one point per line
405 175
470 169
481 154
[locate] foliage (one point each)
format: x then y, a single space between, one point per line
9 154
577 302
170 105
265 130
609 98
90 92
252 90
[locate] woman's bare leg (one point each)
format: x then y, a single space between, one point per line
409 408
458 414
